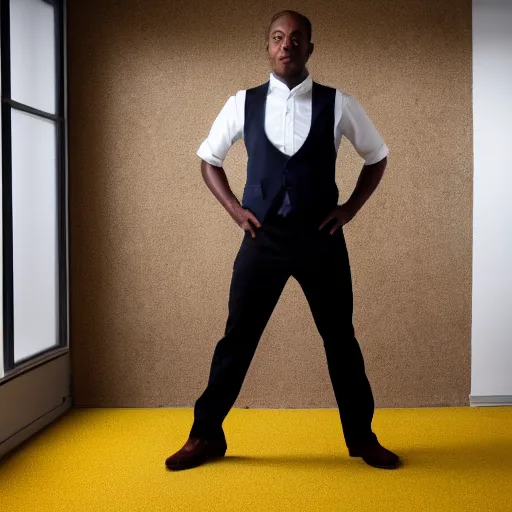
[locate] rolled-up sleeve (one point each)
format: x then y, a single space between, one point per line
225 131
356 126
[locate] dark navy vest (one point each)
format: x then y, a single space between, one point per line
303 183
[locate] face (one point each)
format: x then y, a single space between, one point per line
288 46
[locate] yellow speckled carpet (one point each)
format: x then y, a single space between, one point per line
454 459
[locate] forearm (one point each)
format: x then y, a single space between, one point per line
217 181
366 184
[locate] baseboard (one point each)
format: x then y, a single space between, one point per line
30 430
490 400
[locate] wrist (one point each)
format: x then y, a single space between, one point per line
233 206
352 207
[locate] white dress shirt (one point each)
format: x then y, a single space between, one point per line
287 123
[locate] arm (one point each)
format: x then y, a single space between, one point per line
216 180
367 182
355 125
226 130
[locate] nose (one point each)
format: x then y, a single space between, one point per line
285 44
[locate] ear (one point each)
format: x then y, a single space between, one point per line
311 48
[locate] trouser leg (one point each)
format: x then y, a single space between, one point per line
259 275
323 272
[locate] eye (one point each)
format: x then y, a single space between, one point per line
277 38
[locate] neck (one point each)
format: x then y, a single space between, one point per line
293 81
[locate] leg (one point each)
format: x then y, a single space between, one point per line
259 275
323 272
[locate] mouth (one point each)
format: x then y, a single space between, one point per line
286 59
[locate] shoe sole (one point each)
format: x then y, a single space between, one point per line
191 465
182 467
394 466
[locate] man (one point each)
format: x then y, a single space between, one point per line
292 129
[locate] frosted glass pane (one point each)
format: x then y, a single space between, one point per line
33 54
34 197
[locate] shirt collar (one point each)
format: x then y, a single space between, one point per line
304 87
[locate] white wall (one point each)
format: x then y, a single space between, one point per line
1 257
491 374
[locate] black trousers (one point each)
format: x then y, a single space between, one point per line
286 247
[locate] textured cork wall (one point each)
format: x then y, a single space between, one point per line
152 250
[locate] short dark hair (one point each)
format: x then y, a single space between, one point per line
303 19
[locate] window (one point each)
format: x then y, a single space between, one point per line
34 179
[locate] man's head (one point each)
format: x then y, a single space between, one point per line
289 44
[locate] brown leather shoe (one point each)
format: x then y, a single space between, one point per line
376 455
195 452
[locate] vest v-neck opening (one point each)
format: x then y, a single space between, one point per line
306 140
